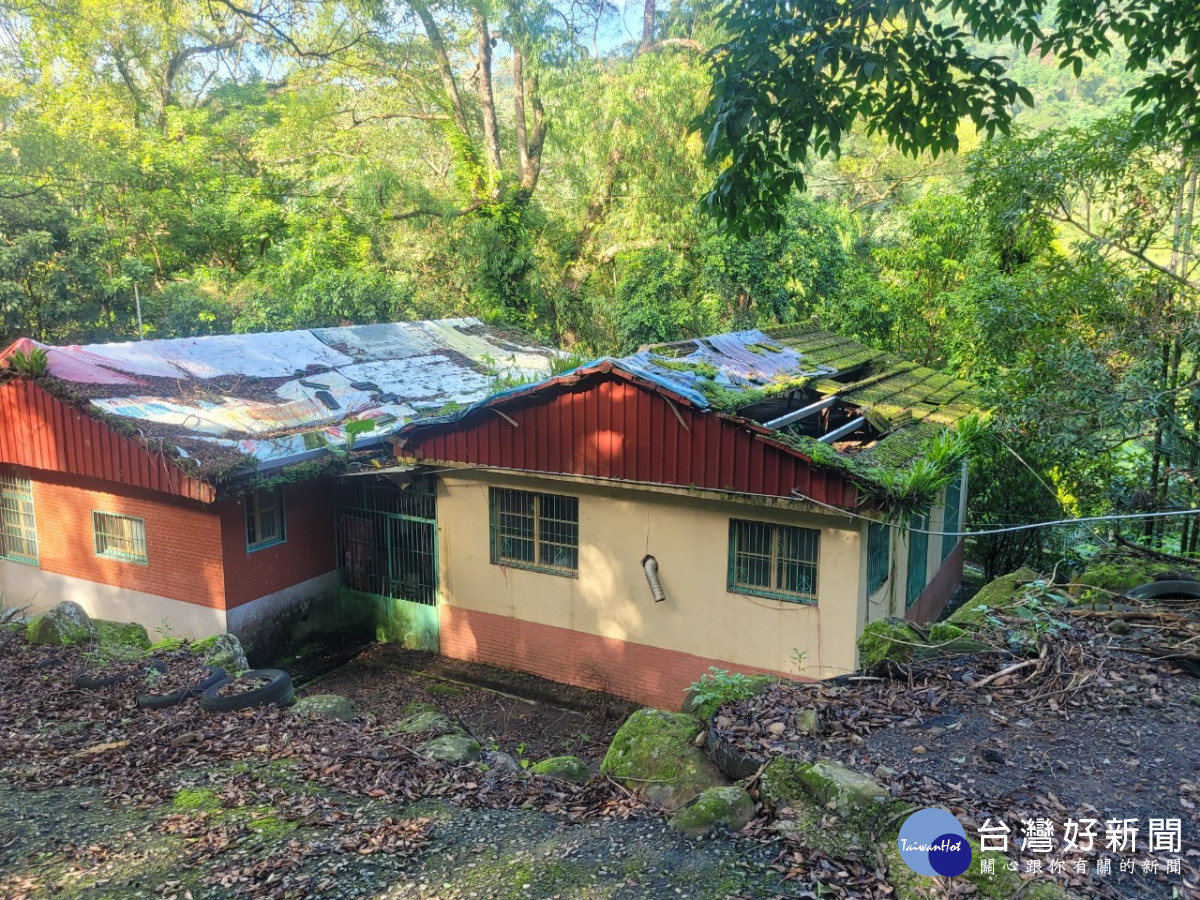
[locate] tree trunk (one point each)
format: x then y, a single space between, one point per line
529 141
487 99
647 27
443 60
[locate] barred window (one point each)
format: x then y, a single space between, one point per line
918 557
18 530
265 524
777 561
953 511
119 537
535 531
879 555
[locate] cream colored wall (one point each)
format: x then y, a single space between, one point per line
689 537
22 585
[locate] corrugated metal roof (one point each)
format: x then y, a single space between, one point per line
284 397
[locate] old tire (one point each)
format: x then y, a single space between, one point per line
216 675
88 683
278 691
1162 590
735 763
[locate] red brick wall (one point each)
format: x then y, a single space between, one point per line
309 550
637 672
183 538
933 599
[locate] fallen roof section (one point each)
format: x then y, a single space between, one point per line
830 399
279 398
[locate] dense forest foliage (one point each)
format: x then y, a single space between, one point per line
270 164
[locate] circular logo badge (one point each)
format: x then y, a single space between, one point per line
933 842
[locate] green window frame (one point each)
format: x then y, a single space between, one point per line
119 537
918 558
18 524
879 555
775 561
539 532
953 507
266 521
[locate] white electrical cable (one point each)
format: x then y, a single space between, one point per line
1163 514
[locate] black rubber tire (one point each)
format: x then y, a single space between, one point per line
278 690
1160 590
85 681
216 675
729 759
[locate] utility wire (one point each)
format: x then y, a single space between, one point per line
1116 517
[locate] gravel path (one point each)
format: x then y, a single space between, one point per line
70 843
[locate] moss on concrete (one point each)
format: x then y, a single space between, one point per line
654 754
196 800
729 807
781 784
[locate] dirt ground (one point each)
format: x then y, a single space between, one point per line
522 715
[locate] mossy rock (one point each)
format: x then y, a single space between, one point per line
730 807
197 799
654 755
122 634
1003 595
428 721
1119 574
564 768
853 796
706 696
945 632
325 706
226 651
61 626
456 749
888 639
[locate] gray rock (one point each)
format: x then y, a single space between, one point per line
730 807
227 653
456 749
806 721
325 706
63 625
498 761
564 768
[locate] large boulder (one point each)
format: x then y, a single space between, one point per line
325 706
887 639
730 807
654 754
564 768
63 625
226 651
456 749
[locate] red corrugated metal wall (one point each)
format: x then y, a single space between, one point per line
606 427
40 431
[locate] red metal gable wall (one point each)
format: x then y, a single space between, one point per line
40 431
611 428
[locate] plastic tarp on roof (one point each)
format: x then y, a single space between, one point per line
743 360
387 374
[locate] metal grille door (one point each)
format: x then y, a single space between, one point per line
387 537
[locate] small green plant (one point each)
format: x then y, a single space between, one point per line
717 686
33 364
799 659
